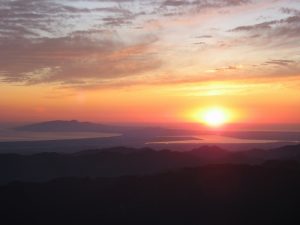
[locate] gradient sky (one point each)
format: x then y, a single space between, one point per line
149 60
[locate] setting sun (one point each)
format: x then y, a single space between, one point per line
215 117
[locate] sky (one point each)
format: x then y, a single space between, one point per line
149 61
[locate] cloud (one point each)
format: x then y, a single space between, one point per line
255 27
71 42
225 69
280 33
180 7
290 11
85 43
81 57
48 18
204 36
205 3
199 43
289 26
22 17
175 2
280 62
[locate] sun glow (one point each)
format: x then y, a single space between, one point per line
213 116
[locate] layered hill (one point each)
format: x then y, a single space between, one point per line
120 161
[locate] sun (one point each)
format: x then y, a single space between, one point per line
214 116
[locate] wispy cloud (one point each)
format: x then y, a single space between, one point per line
280 62
288 27
81 57
79 43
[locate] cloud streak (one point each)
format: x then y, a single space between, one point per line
78 58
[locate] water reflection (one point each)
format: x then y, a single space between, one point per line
208 139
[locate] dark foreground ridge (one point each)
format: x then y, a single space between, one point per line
120 161
121 185
210 195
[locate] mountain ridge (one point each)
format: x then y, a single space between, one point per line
119 161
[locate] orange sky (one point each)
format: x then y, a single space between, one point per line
153 62
148 104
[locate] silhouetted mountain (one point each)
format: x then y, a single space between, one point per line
108 162
120 161
210 195
77 126
290 152
211 154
